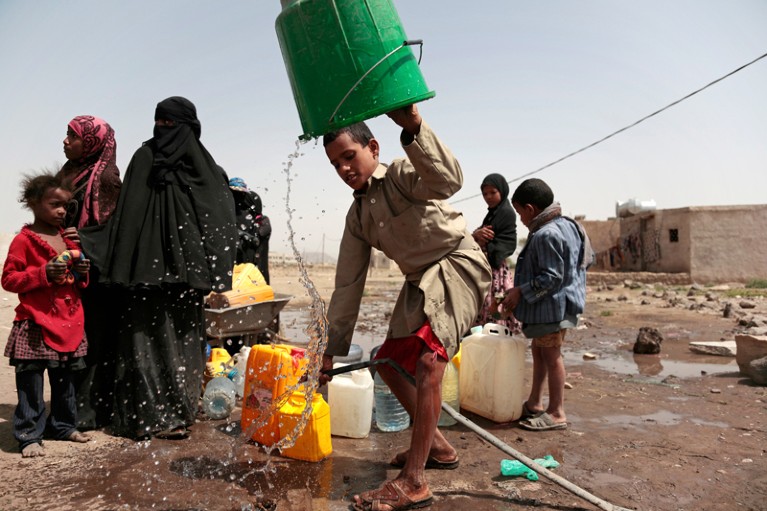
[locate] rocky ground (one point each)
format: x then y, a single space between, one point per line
672 431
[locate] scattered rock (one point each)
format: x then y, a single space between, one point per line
746 304
716 391
722 349
589 356
648 341
623 298
758 370
750 349
568 385
748 322
645 302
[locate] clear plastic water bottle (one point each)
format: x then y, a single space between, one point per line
241 365
219 397
449 394
390 414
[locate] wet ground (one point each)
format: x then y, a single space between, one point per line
654 432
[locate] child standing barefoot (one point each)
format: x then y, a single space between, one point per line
48 330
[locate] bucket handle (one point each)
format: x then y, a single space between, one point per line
410 42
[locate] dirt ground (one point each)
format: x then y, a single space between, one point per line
675 431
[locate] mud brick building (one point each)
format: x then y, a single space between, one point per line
709 243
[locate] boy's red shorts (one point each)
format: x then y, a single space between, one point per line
406 351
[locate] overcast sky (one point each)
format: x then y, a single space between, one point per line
519 85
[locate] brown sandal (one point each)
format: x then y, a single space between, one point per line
389 497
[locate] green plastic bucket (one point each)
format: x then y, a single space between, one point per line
347 61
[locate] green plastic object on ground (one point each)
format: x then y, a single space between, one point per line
517 468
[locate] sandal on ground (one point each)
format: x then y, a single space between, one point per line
177 433
527 413
389 497
79 437
431 463
32 450
544 422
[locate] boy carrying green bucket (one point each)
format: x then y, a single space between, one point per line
400 210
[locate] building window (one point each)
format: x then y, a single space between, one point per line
673 235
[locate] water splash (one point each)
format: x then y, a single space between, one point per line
316 331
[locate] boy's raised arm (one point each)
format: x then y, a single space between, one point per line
409 120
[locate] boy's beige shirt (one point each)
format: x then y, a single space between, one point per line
403 214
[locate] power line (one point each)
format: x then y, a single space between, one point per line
625 127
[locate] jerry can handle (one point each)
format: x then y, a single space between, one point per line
495 329
409 42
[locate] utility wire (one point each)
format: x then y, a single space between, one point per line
624 128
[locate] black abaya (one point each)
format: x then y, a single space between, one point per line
171 239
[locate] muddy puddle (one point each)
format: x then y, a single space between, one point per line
613 354
219 470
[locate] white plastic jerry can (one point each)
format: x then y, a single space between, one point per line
350 396
492 373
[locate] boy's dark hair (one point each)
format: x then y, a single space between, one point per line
533 191
358 132
34 186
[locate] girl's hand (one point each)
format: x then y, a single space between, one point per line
484 235
82 266
71 234
55 270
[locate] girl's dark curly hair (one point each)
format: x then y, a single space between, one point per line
34 186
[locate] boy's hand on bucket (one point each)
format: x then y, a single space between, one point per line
407 118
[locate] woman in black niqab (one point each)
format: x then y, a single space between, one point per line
171 239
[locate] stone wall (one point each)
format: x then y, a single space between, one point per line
728 243
710 244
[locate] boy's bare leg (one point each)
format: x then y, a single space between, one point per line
406 394
535 401
428 404
555 366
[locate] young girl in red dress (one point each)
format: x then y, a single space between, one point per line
46 271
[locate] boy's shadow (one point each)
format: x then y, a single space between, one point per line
7 442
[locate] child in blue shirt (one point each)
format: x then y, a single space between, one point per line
548 295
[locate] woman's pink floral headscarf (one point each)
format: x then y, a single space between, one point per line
98 139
